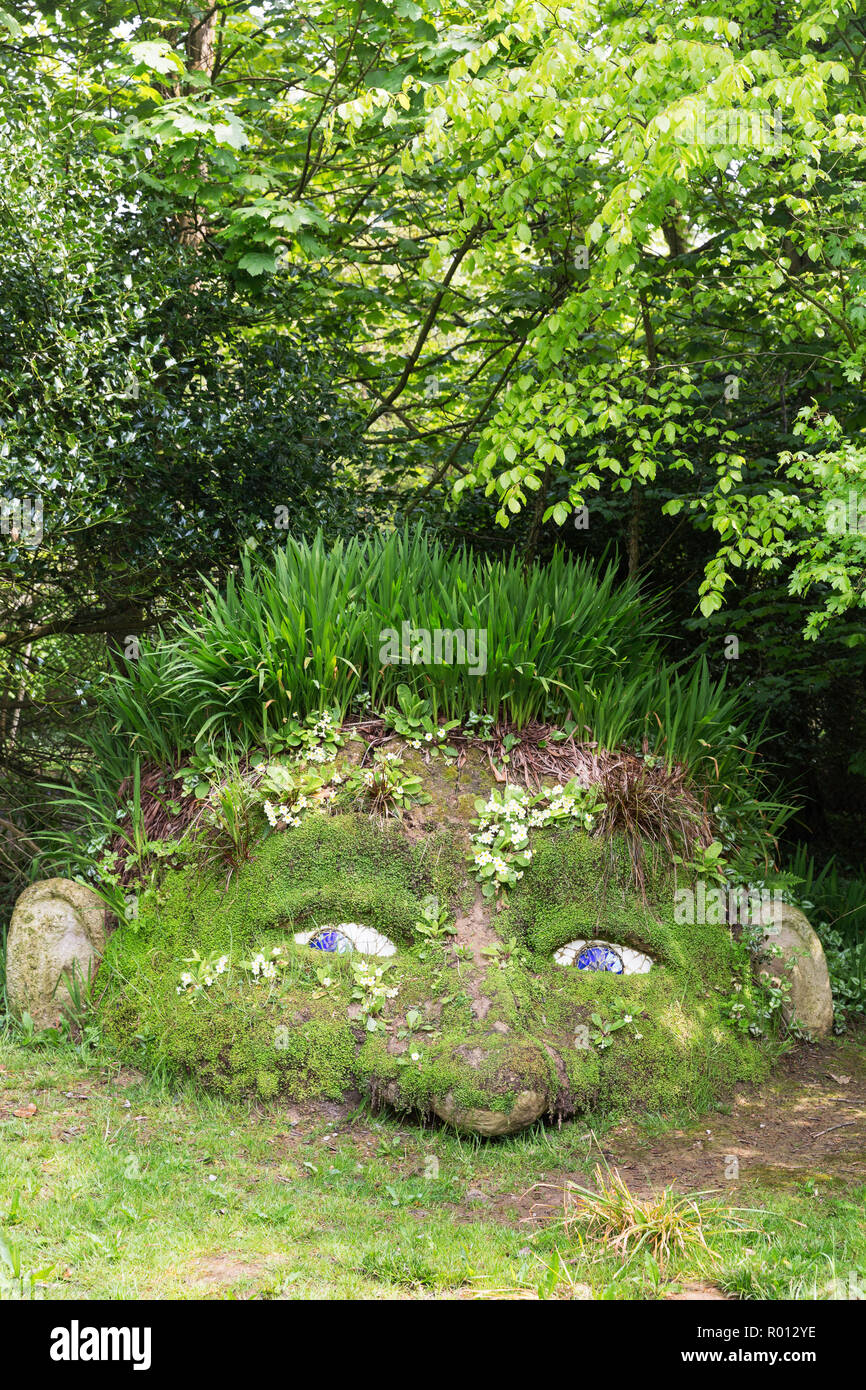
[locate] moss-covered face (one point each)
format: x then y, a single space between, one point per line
479 1015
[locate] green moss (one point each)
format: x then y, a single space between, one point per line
542 1027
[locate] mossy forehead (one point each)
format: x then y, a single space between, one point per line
326 869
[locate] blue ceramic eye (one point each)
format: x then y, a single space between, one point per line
600 958
330 940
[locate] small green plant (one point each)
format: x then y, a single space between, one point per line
601 1035
294 790
479 724
26 1033
228 823
500 842
434 922
664 1225
463 955
228 819
316 739
15 1281
77 1007
202 973
386 787
759 1006
371 989
504 953
414 721
707 862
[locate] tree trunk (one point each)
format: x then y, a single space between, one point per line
192 227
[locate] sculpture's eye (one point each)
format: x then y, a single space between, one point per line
603 955
331 941
348 936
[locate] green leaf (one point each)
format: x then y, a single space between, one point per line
258 263
157 55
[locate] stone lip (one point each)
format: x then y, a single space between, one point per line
57 925
528 1107
801 962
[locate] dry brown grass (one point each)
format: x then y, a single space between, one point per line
665 1224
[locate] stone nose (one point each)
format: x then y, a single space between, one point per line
526 1108
507 1085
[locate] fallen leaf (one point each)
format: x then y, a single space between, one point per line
842 1080
27 1113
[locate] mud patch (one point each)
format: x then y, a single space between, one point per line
693 1293
216 1271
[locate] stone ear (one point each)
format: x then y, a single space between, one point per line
57 929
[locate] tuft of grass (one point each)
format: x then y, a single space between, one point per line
651 806
665 1225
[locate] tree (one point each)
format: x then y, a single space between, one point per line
153 426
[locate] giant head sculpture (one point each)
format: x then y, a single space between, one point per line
447 943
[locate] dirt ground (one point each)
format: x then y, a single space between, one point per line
807 1122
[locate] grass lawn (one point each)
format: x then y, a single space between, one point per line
122 1188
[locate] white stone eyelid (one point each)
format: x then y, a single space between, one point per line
366 940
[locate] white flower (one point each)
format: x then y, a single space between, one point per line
626 1018
500 865
186 978
271 816
416 1056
